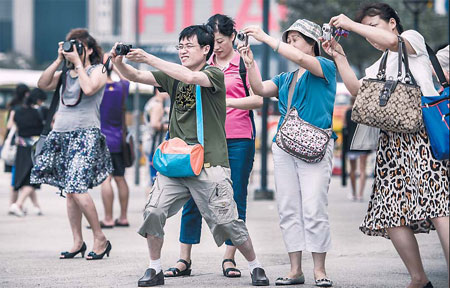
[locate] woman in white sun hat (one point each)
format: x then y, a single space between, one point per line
301 187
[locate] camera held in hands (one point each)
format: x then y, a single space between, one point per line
241 36
123 49
328 33
68 46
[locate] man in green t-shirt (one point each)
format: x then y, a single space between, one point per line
211 190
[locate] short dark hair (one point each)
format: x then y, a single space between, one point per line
222 23
83 35
19 95
38 94
383 10
204 33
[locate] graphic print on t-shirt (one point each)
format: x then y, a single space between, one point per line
185 99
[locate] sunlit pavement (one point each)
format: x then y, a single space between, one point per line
30 247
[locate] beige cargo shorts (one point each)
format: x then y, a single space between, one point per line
212 192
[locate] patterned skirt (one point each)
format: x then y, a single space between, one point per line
410 186
73 161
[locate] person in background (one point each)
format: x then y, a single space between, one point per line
301 187
74 156
240 135
410 192
29 123
111 117
353 156
22 91
156 119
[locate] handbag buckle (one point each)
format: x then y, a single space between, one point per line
388 88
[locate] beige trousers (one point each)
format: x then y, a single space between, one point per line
213 194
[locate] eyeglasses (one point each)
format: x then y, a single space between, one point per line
187 46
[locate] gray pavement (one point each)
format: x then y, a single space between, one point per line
30 246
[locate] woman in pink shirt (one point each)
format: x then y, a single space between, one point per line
240 132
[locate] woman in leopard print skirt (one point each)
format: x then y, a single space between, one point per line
410 192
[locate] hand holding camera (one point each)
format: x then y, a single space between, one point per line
256 32
60 52
72 51
242 37
328 32
343 22
123 49
246 54
118 51
139 56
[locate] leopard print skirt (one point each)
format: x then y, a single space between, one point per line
410 186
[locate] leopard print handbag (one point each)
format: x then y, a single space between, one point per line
299 138
391 105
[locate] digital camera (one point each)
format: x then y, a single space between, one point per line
327 31
241 36
68 46
123 49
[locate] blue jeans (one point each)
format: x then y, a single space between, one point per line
152 170
241 153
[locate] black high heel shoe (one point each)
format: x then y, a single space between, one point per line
95 256
68 255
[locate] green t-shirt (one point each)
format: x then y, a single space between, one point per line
183 119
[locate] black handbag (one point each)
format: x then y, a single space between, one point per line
128 153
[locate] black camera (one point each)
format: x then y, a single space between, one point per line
123 49
241 36
68 46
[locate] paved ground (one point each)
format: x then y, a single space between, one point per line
30 246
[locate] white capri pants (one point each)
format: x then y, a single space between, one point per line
302 199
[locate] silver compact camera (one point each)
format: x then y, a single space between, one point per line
327 31
241 36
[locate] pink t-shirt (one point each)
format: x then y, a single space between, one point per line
238 123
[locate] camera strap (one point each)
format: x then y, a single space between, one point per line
64 82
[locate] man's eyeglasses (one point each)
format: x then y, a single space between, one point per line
187 46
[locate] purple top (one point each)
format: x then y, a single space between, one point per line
111 113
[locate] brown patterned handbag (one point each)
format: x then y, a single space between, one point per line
391 105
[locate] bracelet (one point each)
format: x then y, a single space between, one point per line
278 46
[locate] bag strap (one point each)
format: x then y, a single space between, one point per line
53 107
291 91
243 74
402 57
172 97
199 113
437 67
198 109
382 68
124 111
